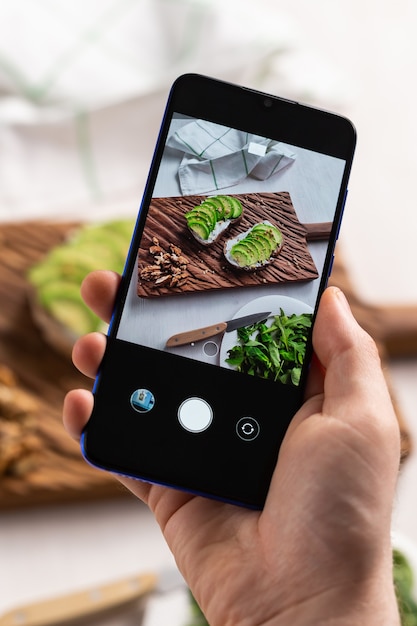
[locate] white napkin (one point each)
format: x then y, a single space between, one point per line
216 156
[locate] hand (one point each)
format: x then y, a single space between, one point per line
319 552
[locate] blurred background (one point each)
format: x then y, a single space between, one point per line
82 91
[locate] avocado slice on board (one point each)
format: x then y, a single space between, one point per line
269 230
199 227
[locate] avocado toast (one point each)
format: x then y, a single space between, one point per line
208 220
254 248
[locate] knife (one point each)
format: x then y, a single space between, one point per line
94 601
206 332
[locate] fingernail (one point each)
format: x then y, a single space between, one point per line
343 300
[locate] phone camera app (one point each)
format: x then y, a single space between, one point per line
142 400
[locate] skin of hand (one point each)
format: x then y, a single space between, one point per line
320 551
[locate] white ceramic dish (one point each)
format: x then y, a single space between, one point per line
266 303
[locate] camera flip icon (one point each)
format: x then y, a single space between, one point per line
247 428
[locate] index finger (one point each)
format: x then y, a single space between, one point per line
99 291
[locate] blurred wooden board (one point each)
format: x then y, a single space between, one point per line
61 473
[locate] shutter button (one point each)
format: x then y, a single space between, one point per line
195 415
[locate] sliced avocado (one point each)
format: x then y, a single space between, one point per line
200 228
206 215
196 217
74 263
267 244
44 273
74 316
59 289
210 210
252 246
111 243
64 302
248 249
123 227
58 277
202 216
207 212
270 231
98 253
272 241
236 207
220 210
227 206
257 245
213 203
241 255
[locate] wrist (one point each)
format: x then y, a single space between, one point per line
373 605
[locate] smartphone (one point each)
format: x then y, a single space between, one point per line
210 340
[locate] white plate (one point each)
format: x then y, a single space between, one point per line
266 303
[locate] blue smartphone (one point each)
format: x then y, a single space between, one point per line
210 340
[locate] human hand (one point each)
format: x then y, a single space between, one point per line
319 552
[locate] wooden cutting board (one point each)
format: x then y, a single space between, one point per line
51 467
207 267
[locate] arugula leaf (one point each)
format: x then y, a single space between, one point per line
274 352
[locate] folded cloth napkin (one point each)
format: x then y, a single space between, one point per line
216 156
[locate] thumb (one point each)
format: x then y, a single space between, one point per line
355 390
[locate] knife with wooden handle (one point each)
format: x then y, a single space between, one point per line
82 604
318 231
191 336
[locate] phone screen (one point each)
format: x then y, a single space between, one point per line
210 343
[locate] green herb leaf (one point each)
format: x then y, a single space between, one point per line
274 352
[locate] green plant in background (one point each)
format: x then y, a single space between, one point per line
403 581
197 617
